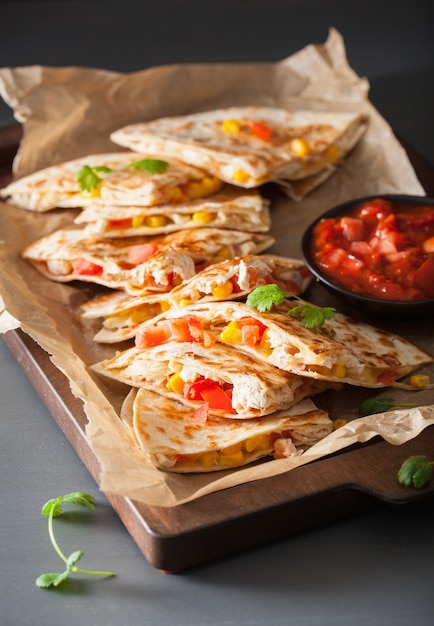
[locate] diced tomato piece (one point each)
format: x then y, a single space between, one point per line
428 245
353 228
153 335
259 129
193 390
217 399
376 209
195 327
85 267
424 277
179 329
126 223
209 391
201 413
251 330
140 252
363 250
332 258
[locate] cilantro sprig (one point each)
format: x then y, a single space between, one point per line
87 177
153 166
415 471
52 509
265 297
370 406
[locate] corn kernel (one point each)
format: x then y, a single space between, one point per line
211 184
232 460
241 176
92 193
332 153
175 383
339 370
338 423
204 217
223 255
184 302
195 190
256 442
164 306
300 147
231 334
419 381
174 194
222 291
155 221
208 459
137 221
232 127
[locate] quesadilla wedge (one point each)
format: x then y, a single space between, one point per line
248 146
347 351
142 263
175 441
222 381
228 208
120 178
228 280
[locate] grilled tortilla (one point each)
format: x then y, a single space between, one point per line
175 441
221 381
228 280
121 182
142 263
347 351
248 146
229 208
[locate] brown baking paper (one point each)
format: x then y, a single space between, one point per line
70 112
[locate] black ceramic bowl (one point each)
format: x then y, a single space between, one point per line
385 309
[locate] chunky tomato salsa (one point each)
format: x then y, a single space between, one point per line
380 248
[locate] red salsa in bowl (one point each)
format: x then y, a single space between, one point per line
379 249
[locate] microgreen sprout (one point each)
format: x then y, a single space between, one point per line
415 471
52 509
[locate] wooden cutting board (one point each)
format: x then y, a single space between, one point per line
245 516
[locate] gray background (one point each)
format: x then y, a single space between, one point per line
376 568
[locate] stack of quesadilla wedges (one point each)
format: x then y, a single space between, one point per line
223 366
175 228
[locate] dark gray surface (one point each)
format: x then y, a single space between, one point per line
374 569
391 43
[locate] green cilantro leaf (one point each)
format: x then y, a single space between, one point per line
76 497
312 316
415 471
265 297
102 168
79 497
51 580
370 406
153 166
52 509
88 179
